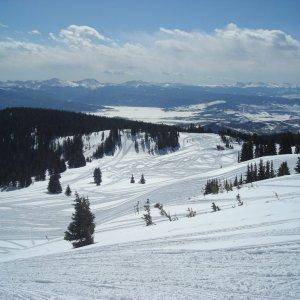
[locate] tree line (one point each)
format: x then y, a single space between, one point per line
28 147
264 170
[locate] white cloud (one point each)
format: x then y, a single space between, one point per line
233 53
79 35
34 31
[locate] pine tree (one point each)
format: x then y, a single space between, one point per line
54 186
68 191
147 215
297 168
247 151
97 176
142 180
268 170
283 169
248 174
261 170
285 146
255 173
272 172
236 182
81 229
226 185
241 180
132 179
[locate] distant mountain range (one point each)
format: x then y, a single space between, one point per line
250 106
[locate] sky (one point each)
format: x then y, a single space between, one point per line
198 42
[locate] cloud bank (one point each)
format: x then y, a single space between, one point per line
227 54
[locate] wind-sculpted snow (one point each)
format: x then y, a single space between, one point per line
246 252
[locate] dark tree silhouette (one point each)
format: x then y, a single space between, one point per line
142 180
247 151
68 191
132 180
81 229
54 186
283 169
97 176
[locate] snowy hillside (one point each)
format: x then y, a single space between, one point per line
246 252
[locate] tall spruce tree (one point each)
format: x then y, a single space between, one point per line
272 172
54 186
81 229
261 170
247 151
268 170
97 176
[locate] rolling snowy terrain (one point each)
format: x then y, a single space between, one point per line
246 252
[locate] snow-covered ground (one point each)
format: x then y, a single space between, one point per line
246 252
180 114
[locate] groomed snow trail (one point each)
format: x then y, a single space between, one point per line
248 252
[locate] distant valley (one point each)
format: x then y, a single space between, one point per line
259 107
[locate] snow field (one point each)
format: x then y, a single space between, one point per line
247 252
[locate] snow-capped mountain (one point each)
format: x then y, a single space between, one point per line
53 82
249 106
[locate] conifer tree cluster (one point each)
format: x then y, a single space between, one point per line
260 172
264 170
28 141
259 146
164 138
283 169
212 187
81 229
73 152
108 147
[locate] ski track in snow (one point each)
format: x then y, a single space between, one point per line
248 252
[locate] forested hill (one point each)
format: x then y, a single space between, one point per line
28 148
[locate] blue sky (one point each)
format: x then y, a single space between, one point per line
114 16
131 28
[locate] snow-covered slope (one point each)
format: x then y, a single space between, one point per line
249 252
